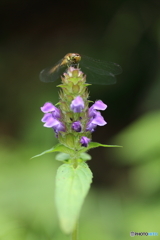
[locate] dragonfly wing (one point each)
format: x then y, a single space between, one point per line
100 72
51 74
110 67
98 76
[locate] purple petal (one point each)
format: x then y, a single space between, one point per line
91 127
77 105
76 126
50 122
99 120
56 113
46 116
92 112
84 141
48 107
99 105
95 121
59 127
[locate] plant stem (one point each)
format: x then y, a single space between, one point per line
74 233
75 162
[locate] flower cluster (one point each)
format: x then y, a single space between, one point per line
51 117
95 117
73 118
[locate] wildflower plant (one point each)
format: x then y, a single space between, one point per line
73 122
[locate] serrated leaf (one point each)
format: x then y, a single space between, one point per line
72 185
57 148
95 144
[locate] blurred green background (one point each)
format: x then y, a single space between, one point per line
125 194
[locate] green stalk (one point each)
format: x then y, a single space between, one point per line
75 161
74 235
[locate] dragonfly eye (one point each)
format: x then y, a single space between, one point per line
77 58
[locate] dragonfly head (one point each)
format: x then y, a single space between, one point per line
73 58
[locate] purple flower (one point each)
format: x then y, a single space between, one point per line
84 141
49 107
50 117
98 119
76 126
51 122
95 121
58 127
77 105
95 117
98 105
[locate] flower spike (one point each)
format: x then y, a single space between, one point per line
73 121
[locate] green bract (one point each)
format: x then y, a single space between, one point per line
69 153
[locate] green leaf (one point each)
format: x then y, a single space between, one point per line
95 144
85 156
72 185
57 148
62 157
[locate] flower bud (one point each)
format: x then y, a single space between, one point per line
76 126
84 141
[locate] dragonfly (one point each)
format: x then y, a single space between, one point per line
97 71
